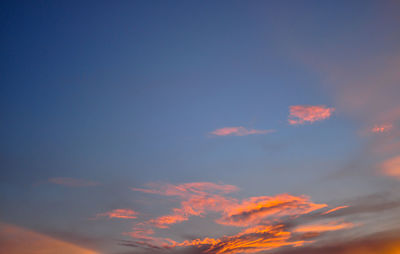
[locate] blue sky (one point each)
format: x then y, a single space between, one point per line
100 97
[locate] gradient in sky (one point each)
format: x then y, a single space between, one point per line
221 127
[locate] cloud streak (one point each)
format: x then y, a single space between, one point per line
119 214
238 131
323 227
335 209
255 209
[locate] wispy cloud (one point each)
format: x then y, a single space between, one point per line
335 209
383 243
301 114
72 182
323 227
380 128
256 209
119 213
196 199
186 189
238 131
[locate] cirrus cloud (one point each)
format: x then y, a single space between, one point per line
238 131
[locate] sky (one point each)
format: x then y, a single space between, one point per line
200 127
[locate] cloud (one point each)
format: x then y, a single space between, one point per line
300 114
335 209
72 182
255 209
238 131
17 240
381 128
187 189
196 199
364 91
251 240
365 205
266 219
383 243
323 227
391 167
119 213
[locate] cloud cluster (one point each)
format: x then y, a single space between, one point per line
266 219
299 114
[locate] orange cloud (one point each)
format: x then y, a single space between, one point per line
334 209
256 209
255 239
72 182
238 131
197 205
331 226
262 216
300 114
196 199
391 167
17 240
119 213
382 128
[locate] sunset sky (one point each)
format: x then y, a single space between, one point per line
200 127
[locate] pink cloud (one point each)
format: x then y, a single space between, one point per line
380 128
72 182
300 114
238 131
119 213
